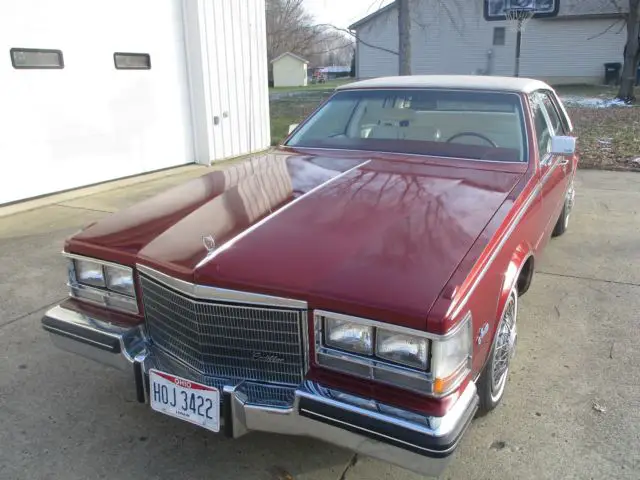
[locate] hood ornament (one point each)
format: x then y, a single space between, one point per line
209 243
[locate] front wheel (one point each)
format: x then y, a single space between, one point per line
493 379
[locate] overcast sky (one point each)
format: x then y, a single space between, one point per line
342 13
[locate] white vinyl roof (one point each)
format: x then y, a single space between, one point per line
463 82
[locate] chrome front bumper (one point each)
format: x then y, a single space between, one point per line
413 441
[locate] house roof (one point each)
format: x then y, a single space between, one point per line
462 82
297 57
373 15
568 8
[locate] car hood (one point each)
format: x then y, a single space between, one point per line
373 237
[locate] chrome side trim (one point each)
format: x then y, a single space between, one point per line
253 227
204 292
523 210
525 207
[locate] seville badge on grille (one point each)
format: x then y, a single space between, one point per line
267 357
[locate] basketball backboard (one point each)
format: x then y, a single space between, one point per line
495 9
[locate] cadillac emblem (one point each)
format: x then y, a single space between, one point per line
209 243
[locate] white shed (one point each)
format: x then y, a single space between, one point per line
289 70
94 91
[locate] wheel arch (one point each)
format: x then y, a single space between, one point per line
519 273
522 258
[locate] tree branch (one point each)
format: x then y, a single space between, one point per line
616 22
357 37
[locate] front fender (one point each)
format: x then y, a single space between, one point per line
518 259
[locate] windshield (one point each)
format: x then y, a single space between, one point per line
462 124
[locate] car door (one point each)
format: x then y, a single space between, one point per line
555 170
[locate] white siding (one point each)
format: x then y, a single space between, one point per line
227 52
205 97
88 122
288 71
558 50
381 31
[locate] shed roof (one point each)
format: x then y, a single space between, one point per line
297 57
462 82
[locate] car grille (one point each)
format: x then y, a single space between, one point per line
225 340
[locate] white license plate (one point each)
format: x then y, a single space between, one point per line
185 399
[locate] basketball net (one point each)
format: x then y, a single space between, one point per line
519 18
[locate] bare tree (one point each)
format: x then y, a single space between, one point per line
289 28
632 53
404 37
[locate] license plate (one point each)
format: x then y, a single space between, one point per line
185 399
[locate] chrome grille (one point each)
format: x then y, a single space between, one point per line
218 339
277 396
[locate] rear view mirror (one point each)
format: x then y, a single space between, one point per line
561 145
292 127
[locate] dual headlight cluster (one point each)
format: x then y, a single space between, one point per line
409 350
418 361
103 283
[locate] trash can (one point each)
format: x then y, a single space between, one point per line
612 73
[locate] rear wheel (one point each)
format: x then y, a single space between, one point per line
563 220
493 379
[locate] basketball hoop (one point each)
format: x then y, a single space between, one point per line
519 17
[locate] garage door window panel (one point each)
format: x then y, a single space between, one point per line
36 58
132 61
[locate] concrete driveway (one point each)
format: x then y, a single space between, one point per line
572 408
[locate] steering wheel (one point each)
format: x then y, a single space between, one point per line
473 134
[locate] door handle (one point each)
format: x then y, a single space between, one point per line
563 162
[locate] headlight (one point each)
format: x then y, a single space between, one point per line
89 273
102 283
120 279
349 336
406 358
405 349
451 358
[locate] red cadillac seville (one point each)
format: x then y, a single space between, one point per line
358 285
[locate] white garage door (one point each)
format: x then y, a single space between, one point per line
90 122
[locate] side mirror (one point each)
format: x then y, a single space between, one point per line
292 127
561 145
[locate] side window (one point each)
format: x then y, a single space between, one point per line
543 129
499 35
552 112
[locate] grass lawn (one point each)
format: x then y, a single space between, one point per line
330 85
592 91
608 136
287 111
